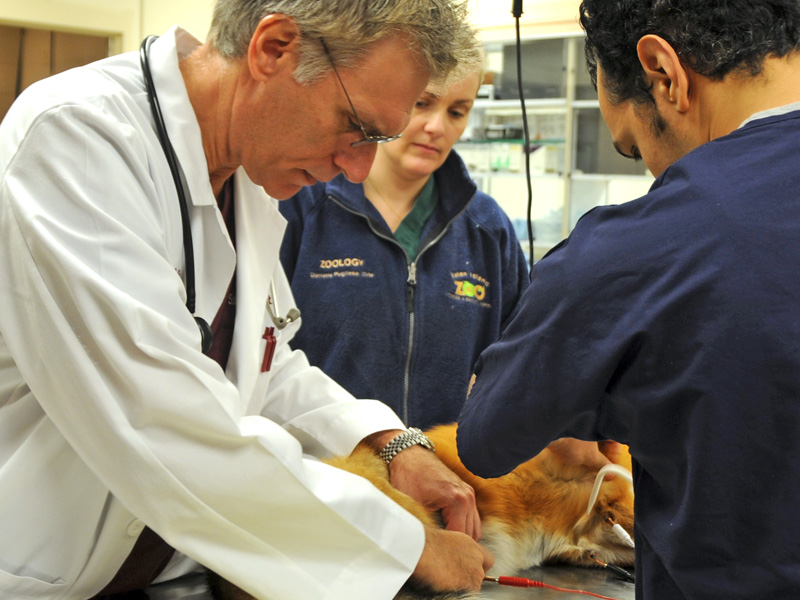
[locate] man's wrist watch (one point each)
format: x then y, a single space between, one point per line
410 437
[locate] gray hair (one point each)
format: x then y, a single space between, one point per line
436 30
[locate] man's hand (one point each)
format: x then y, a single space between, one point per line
417 472
452 561
594 455
420 474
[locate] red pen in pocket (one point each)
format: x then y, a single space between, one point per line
269 348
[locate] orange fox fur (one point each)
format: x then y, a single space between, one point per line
536 514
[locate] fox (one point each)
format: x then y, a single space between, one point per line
538 514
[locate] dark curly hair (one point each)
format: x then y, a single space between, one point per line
712 37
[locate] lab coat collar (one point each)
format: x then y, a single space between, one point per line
214 255
181 122
259 224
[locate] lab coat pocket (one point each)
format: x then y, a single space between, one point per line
33 585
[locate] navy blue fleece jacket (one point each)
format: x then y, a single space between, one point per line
407 333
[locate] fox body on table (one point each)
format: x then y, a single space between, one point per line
536 514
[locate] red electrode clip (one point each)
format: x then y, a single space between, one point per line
269 348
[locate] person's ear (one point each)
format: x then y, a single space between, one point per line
665 71
273 46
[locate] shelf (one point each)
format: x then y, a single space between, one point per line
513 107
610 176
537 104
515 175
520 141
586 104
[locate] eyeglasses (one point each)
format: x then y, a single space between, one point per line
368 139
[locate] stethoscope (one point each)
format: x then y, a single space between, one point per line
180 187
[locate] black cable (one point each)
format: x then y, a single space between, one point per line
517 11
626 575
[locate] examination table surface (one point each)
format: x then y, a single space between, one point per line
598 581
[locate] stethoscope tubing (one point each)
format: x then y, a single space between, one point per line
172 160
180 188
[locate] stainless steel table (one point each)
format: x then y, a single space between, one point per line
598 581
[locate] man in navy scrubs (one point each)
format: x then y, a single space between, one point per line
672 322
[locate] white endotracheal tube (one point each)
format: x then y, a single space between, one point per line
618 530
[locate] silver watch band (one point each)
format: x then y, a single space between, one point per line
410 437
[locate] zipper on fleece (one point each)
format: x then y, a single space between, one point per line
411 285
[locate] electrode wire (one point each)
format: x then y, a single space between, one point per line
618 530
523 582
626 575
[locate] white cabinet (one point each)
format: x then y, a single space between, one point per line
573 164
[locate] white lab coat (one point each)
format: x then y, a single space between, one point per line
111 417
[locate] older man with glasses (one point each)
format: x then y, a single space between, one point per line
368 139
121 439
